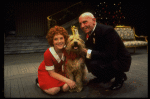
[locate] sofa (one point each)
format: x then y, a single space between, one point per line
129 37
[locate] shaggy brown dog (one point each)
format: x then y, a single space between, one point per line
75 67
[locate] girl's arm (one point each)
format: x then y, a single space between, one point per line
57 76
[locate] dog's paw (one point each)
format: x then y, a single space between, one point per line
72 90
79 89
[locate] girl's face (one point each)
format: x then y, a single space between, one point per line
58 41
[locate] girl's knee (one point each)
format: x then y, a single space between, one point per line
52 91
65 87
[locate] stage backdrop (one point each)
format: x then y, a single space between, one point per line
30 17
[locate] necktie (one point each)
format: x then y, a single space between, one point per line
87 36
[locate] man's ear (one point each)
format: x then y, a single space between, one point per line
94 19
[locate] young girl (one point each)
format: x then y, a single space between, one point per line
51 76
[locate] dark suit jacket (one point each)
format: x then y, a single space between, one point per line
108 49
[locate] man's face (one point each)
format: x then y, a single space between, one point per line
87 23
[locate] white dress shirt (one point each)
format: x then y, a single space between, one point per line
89 51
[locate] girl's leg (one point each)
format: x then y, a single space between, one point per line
65 87
52 91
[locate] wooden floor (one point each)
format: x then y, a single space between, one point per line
20 72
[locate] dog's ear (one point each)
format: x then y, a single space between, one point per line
68 40
83 42
67 48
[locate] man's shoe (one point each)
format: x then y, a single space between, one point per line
117 84
36 81
125 77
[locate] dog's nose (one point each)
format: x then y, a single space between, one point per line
75 43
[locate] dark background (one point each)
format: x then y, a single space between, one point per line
136 13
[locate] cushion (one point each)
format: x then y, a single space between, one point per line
125 33
135 43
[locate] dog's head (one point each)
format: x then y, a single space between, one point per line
75 44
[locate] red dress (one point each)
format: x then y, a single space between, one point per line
51 62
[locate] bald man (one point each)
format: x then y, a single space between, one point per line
106 55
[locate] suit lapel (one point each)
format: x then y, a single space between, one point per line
92 40
90 43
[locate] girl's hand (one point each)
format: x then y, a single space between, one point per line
71 84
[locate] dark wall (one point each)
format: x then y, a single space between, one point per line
29 18
137 16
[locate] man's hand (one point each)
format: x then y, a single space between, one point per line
84 50
87 52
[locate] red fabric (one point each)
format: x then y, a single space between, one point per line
71 55
87 36
44 79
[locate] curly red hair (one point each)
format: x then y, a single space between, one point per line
56 30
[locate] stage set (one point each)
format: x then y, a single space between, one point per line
26 26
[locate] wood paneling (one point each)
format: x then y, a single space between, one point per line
31 17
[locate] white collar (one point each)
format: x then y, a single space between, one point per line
93 28
55 55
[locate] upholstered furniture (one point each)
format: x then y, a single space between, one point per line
128 36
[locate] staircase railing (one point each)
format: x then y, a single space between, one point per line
67 15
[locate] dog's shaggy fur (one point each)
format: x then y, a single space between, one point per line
75 67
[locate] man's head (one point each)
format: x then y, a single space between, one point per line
87 22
